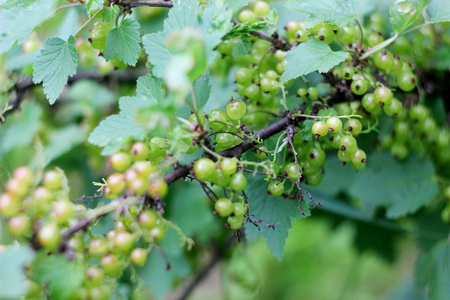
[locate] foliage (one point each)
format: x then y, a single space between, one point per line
177 128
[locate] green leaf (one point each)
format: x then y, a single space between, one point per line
202 90
438 11
405 12
433 271
151 87
72 135
93 5
242 29
235 5
214 24
272 20
21 129
309 57
327 112
338 12
109 13
183 14
241 47
154 273
64 277
19 18
307 130
117 129
12 276
56 62
123 42
401 187
273 210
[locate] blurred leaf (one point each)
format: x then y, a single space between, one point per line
273 210
202 90
90 93
93 5
56 62
214 23
237 4
406 12
241 47
12 276
438 11
193 215
401 187
433 271
307 130
309 57
338 12
124 42
63 140
117 129
20 129
182 15
69 24
151 87
155 274
64 277
19 18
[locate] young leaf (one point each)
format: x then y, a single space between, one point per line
12 276
64 277
56 62
338 12
309 57
405 12
273 210
235 5
19 18
433 271
438 11
402 188
123 42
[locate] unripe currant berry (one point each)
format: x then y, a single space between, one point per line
238 182
111 265
204 168
224 207
147 219
9 205
98 247
49 236
383 95
235 222
229 166
235 110
261 8
319 129
334 124
406 81
123 241
158 188
24 175
120 161
138 257
276 188
359 86
20 225
52 180
140 151
116 183
354 126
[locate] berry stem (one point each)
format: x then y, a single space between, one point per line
379 46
